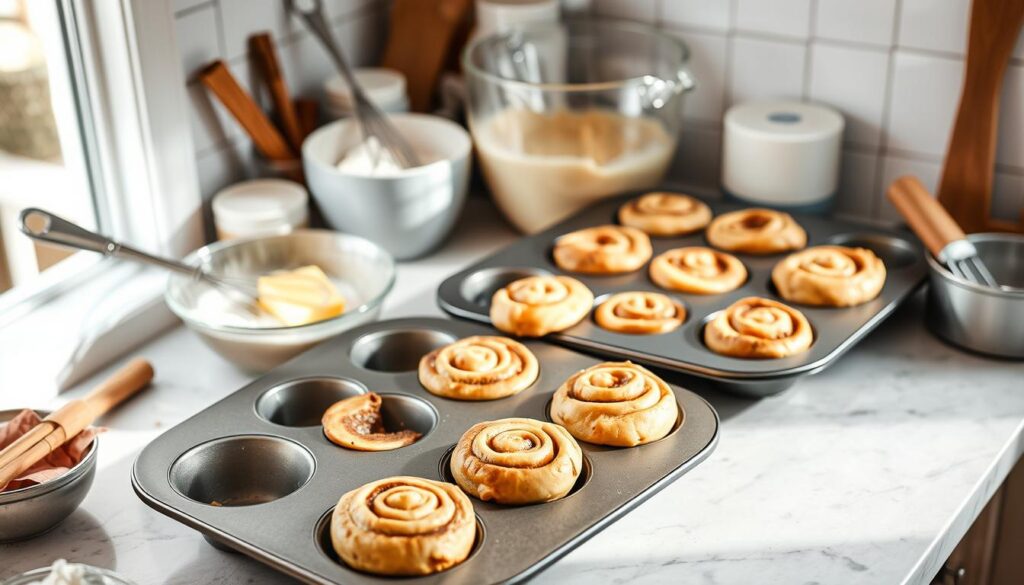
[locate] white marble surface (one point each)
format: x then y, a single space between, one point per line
869 472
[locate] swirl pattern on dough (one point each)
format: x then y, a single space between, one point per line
754 327
481 367
697 270
517 461
665 214
403 526
606 249
538 305
356 423
639 312
756 231
834 276
615 403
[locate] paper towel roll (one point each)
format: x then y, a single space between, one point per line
782 153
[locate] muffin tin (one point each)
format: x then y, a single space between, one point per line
467 294
261 454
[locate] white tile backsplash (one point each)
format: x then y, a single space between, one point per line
766 69
925 94
639 10
837 52
857 180
709 14
1010 149
198 38
791 18
854 82
860 21
894 167
708 56
937 25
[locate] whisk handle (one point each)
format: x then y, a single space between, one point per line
46 227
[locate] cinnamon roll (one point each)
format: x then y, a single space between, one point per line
756 231
356 423
665 214
517 461
606 249
640 312
538 305
479 368
834 276
615 403
697 270
403 526
758 328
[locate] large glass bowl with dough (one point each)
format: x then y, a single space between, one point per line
565 114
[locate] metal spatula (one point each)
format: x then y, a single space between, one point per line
940 232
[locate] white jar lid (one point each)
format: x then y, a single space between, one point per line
382 86
260 204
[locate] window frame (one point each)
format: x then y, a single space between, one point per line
129 91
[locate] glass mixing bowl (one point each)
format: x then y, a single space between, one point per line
565 114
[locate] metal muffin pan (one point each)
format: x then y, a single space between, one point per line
467 294
263 446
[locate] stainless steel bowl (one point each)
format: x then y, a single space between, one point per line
33 510
976 317
364 271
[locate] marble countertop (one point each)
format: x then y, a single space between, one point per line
869 472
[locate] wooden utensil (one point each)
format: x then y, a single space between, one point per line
967 181
420 38
262 48
938 230
308 113
60 426
219 80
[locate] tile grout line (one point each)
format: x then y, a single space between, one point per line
812 29
883 139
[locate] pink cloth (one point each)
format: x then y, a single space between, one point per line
53 465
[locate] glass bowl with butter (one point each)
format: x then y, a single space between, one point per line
313 284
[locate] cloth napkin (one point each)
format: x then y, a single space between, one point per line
53 465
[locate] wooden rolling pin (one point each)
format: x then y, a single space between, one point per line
264 134
72 418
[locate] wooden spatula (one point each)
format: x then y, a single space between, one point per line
967 182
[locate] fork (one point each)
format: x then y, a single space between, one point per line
371 121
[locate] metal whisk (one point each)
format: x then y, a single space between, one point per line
44 226
372 122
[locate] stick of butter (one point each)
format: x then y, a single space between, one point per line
301 296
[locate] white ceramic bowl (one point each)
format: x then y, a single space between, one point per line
362 270
409 212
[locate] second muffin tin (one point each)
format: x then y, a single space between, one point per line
255 473
467 294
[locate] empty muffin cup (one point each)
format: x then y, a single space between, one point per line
302 403
397 350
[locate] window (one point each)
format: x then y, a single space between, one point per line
43 155
101 137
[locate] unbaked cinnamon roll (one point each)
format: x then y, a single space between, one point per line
758 328
606 249
479 368
356 423
834 276
756 231
517 461
640 312
615 403
538 305
665 214
403 526
697 270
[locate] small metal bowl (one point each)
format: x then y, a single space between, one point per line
33 510
976 317
366 271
